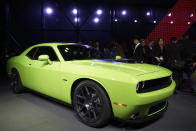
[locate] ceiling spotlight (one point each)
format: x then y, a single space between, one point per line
148 13
49 10
96 20
99 11
169 14
135 21
76 19
191 15
189 23
124 12
75 11
116 20
154 21
171 22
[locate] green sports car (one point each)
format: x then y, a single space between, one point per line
98 88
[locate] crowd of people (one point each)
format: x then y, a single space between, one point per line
178 56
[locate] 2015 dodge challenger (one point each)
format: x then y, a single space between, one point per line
98 88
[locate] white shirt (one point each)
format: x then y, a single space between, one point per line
136 47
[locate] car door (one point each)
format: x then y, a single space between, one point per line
44 77
25 63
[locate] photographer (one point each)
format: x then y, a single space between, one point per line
174 61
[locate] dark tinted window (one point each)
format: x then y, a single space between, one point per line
79 52
31 53
46 51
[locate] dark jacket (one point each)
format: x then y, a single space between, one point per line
189 48
158 52
138 54
173 52
149 54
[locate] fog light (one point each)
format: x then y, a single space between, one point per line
133 116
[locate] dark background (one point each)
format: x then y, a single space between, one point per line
25 23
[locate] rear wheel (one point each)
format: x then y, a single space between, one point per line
16 82
91 104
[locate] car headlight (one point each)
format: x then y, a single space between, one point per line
153 84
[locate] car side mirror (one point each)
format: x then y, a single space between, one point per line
45 58
118 57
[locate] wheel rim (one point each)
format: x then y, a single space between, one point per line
14 82
88 104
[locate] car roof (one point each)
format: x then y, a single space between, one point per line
53 43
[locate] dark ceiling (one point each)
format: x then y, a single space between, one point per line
139 3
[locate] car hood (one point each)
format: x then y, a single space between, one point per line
129 67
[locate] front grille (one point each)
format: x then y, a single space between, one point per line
155 84
157 107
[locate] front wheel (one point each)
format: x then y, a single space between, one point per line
91 104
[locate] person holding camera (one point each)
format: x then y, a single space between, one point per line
174 61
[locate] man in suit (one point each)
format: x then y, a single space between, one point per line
138 51
189 49
173 54
193 75
149 52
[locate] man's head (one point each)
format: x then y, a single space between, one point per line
150 42
97 43
135 41
173 40
142 41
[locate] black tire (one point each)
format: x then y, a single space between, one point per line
92 104
16 83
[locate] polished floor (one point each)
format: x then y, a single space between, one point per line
31 112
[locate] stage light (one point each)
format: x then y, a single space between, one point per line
148 13
171 22
76 20
124 12
99 12
189 23
96 20
116 20
169 14
154 21
49 10
191 15
135 21
75 11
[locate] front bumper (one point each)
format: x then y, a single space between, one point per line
147 118
145 104
149 110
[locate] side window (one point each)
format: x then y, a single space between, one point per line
31 53
46 51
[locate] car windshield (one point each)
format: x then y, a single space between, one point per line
79 52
